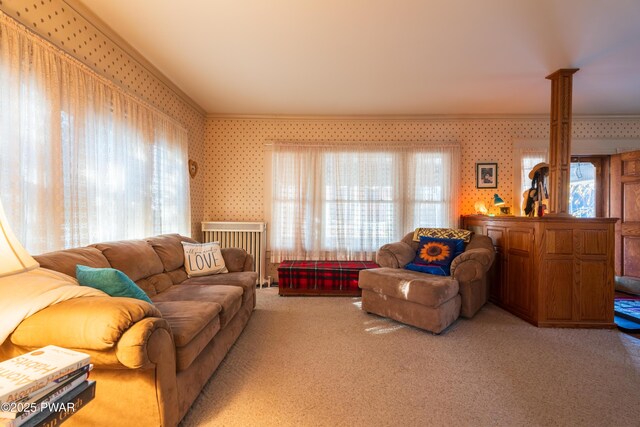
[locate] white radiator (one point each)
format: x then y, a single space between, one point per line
250 236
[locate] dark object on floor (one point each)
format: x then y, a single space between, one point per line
627 314
321 277
626 325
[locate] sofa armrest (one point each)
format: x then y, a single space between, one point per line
237 259
395 255
114 331
470 269
145 343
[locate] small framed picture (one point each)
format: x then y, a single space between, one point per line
486 175
505 210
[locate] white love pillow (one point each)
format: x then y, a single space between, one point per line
203 259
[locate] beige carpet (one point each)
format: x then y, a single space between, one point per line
323 362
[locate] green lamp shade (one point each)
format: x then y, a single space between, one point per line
497 200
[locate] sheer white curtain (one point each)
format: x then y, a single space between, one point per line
80 160
525 159
345 201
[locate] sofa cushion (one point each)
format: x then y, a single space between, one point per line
66 261
169 249
203 259
110 281
246 280
434 255
229 297
161 282
193 325
135 258
155 284
237 259
420 288
178 275
146 286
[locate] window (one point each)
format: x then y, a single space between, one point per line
81 161
588 178
582 192
526 160
341 202
586 181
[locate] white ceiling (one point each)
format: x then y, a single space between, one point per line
387 57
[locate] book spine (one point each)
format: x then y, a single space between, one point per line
69 406
54 402
17 409
25 390
54 384
85 368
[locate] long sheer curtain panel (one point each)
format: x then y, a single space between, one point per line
81 161
345 201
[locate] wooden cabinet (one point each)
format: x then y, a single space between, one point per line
553 272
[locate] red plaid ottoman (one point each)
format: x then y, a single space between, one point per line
321 277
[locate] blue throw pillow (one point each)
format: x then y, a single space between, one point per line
435 255
110 281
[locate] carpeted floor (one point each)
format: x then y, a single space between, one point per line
323 362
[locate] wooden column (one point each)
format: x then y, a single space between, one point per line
560 144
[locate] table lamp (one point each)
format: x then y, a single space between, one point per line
14 258
499 202
481 208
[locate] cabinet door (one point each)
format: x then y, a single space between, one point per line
520 275
498 272
577 275
595 272
558 296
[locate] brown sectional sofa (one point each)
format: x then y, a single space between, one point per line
151 361
423 300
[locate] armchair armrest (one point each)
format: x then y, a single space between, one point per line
115 332
395 255
470 269
471 264
237 259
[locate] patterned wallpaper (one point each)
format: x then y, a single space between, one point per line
60 24
234 152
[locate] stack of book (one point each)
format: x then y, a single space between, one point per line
44 385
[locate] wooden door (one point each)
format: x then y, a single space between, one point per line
625 204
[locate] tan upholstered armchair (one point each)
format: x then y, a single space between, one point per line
424 300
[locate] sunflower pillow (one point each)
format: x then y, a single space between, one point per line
435 255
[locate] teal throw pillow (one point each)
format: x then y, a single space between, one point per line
110 281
